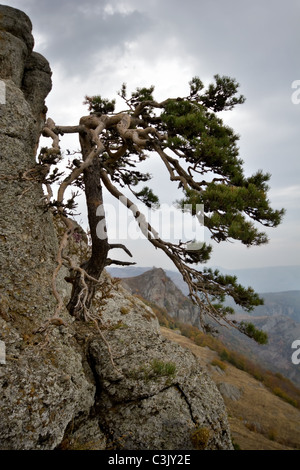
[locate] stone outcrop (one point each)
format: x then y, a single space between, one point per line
58 386
161 389
43 385
154 285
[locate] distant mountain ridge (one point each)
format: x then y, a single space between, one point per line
285 304
266 279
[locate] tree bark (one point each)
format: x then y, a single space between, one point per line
80 299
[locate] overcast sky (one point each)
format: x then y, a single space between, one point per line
94 46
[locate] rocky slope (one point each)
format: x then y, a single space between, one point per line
258 419
59 386
155 286
277 354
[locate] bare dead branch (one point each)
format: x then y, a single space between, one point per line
59 259
145 227
118 262
194 279
120 245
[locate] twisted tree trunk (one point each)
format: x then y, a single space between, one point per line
83 292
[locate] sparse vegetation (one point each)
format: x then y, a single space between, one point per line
272 434
200 438
218 363
156 369
282 394
235 445
161 368
124 310
259 420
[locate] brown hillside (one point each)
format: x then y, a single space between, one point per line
258 419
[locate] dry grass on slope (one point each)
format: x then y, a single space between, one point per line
258 419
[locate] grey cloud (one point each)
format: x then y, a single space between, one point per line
255 42
76 31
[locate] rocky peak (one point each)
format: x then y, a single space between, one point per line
16 43
155 286
28 70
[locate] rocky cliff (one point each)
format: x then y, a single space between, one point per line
58 386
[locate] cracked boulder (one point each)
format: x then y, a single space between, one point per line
156 396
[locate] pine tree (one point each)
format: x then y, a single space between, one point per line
201 156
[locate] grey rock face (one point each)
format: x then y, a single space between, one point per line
28 70
58 387
16 43
42 384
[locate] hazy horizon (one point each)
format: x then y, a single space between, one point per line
263 279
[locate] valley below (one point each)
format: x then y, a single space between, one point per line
258 419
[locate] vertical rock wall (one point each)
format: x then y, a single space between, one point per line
42 384
27 252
